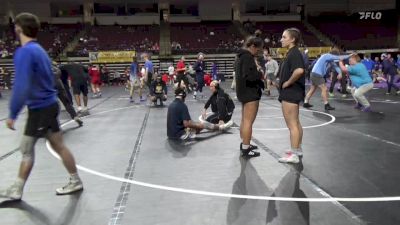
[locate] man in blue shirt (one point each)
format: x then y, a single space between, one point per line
368 63
149 70
361 80
135 80
389 69
34 86
318 80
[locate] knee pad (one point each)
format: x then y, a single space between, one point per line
27 148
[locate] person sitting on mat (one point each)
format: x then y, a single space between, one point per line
179 123
222 107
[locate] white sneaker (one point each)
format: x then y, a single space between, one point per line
298 153
13 193
290 158
71 187
226 125
188 135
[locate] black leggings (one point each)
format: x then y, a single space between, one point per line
213 118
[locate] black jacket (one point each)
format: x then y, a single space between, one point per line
218 101
248 78
153 87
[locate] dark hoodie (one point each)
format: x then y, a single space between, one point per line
220 104
248 79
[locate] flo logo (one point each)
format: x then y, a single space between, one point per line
370 15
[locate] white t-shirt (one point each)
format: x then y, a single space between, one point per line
171 70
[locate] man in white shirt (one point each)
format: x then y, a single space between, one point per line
271 70
171 72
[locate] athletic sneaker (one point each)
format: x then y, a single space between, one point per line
298 153
398 92
366 109
188 135
226 125
71 187
358 106
13 193
79 121
131 100
329 107
142 99
307 105
290 158
344 95
249 152
331 95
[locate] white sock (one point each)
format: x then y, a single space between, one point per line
326 102
79 108
245 146
305 101
75 177
20 183
85 108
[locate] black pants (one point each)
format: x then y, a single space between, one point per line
180 77
200 83
342 84
66 88
159 96
213 118
63 96
390 83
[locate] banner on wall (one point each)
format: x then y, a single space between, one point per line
111 56
313 52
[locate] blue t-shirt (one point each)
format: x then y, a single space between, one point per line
368 63
134 70
177 113
359 75
321 65
34 83
149 66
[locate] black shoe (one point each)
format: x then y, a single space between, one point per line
307 105
329 107
249 152
252 147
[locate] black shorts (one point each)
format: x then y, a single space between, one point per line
292 95
77 89
40 121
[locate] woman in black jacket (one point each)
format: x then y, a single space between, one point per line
248 90
222 107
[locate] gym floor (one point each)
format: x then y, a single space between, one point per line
134 175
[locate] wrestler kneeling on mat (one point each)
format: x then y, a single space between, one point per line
222 107
158 91
179 124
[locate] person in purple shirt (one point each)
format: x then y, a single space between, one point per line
34 86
